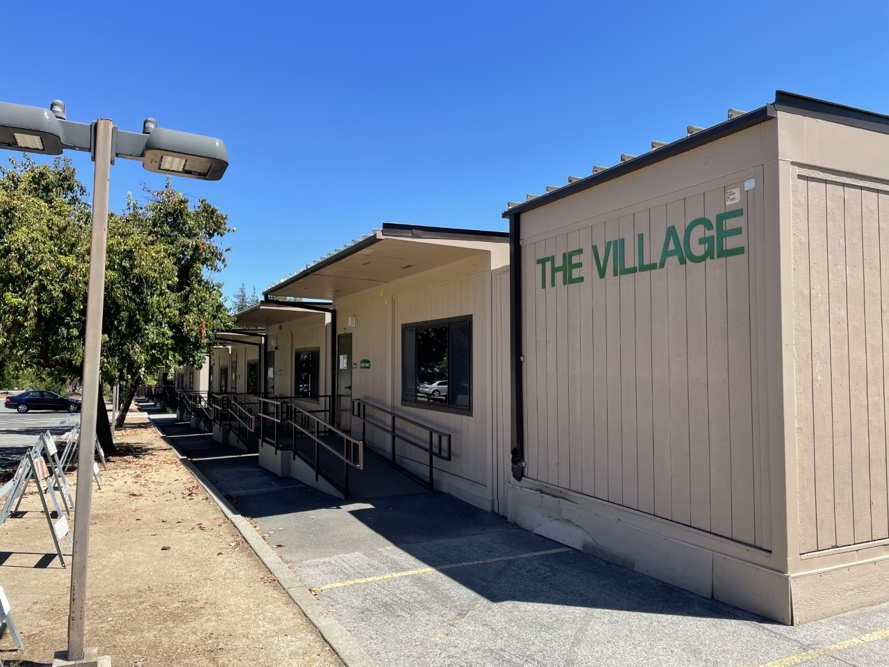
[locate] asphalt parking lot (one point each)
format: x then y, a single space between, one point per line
19 431
424 579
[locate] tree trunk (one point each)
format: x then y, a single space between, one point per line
103 426
127 401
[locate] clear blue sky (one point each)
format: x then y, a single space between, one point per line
341 116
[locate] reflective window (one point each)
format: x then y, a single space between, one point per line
436 364
306 373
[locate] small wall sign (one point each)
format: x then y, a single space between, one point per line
365 363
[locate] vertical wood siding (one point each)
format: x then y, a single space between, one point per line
460 288
645 389
840 295
465 291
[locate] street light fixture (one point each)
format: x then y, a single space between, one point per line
48 132
163 151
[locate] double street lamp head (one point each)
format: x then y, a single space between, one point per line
47 132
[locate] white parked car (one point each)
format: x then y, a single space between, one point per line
437 390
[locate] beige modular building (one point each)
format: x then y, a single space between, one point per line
411 305
397 355
701 361
192 378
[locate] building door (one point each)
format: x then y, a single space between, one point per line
269 373
223 380
344 381
253 377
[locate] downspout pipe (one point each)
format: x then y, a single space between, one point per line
517 408
334 399
263 383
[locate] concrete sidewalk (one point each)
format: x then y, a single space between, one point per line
424 579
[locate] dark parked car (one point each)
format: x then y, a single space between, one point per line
41 400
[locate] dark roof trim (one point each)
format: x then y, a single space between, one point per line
784 101
327 261
426 232
320 306
222 337
295 306
836 113
647 159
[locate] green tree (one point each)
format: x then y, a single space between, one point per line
240 301
162 305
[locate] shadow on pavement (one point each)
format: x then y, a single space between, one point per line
430 529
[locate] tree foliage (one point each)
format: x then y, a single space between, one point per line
162 304
241 301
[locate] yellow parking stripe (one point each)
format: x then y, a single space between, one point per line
827 650
423 570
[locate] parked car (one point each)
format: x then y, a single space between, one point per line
41 400
436 390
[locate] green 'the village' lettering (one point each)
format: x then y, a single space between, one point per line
568 268
710 245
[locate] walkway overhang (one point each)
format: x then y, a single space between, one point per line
225 338
389 254
267 314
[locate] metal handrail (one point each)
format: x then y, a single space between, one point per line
350 446
201 408
186 405
242 414
262 411
359 411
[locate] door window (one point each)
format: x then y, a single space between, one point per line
306 374
252 377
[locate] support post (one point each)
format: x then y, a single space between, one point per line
91 366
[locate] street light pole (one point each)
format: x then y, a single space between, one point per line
160 150
91 374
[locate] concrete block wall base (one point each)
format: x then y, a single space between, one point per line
464 489
277 463
303 472
91 658
218 434
232 441
674 561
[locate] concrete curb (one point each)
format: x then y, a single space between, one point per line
341 642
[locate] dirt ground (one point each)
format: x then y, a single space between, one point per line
171 582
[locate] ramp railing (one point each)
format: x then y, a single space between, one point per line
325 436
434 443
273 415
241 418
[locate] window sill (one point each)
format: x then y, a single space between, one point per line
433 407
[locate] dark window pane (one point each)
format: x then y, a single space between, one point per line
307 371
252 377
432 363
409 365
460 365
